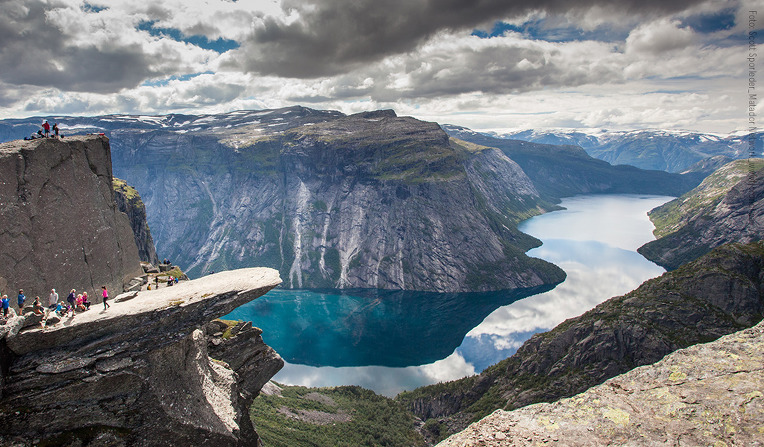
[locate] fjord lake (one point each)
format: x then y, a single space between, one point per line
390 341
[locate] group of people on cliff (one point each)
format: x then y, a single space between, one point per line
44 131
74 303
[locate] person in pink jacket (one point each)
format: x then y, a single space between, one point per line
105 297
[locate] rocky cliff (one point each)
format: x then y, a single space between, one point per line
60 225
152 370
364 201
715 295
728 206
129 202
708 394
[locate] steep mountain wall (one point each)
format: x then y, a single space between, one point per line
728 206
718 294
363 201
129 202
60 225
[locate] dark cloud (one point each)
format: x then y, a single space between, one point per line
36 53
494 70
333 36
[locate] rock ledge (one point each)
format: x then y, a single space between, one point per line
139 372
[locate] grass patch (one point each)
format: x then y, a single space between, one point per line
352 416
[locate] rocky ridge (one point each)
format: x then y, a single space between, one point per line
728 206
150 370
565 170
671 151
61 227
707 394
715 295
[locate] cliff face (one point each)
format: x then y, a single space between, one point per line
129 202
60 225
152 370
716 295
363 201
708 394
728 206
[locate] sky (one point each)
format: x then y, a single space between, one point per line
491 65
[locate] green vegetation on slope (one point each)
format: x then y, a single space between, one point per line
671 216
346 416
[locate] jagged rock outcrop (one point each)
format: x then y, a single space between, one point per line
708 394
146 371
60 225
129 202
363 201
718 294
728 206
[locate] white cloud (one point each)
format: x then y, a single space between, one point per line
74 60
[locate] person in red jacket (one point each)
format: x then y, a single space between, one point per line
46 128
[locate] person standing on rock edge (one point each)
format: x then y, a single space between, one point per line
22 298
53 301
5 303
55 130
46 128
105 297
72 299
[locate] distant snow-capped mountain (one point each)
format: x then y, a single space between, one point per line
666 150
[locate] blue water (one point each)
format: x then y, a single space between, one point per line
391 341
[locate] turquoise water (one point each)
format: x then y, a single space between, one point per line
369 327
392 341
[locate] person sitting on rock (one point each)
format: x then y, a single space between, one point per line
37 306
60 310
80 307
6 304
85 301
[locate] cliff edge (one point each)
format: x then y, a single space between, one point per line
139 373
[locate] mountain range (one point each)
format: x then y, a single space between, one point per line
671 151
370 200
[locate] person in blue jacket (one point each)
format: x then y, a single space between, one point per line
22 298
5 303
